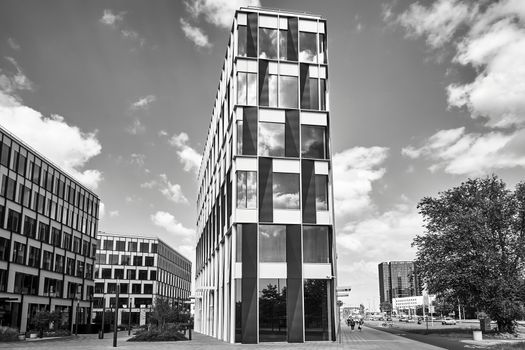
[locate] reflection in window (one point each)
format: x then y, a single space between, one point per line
313 141
239 137
268 43
307 47
316 309
286 191
268 90
241 40
310 94
323 93
247 189
272 310
246 88
321 192
288 94
316 244
322 48
271 139
272 243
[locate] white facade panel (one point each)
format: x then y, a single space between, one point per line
307 26
237 273
287 216
272 115
283 23
272 270
286 166
313 118
289 69
313 71
317 271
267 21
246 215
246 164
242 18
273 68
323 217
321 168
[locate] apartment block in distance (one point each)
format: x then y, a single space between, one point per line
265 255
48 225
145 268
398 279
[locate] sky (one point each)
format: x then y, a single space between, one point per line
423 95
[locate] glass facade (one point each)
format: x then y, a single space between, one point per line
267 151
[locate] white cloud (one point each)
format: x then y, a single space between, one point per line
172 191
10 84
143 102
114 213
111 19
171 224
355 170
13 44
64 144
136 127
190 158
217 12
148 184
195 34
137 159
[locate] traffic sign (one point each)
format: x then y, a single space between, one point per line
344 289
339 294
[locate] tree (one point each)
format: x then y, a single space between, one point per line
385 306
42 320
168 311
473 251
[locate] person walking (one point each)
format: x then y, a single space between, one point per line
360 324
352 324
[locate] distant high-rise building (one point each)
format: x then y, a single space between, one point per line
265 261
48 225
398 279
145 268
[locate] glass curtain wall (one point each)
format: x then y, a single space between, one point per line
272 310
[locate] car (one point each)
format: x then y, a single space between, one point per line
448 321
389 319
410 320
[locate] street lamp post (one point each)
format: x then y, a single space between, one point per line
129 302
115 326
103 314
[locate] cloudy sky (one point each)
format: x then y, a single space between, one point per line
120 93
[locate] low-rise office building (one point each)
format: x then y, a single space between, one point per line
48 225
144 268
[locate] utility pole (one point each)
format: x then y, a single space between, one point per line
115 326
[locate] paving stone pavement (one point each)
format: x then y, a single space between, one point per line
367 339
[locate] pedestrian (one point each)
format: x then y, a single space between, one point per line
360 323
352 324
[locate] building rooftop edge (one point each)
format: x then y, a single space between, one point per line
30 148
279 10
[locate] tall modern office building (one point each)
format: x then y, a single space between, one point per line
265 255
144 268
398 279
48 225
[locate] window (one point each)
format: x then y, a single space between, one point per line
316 244
67 241
70 266
124 288
272 310
288 41
19 253
121 246
316 306
124 260
268 43
21 169
322 48
76 245
5 244
47 263
113 259
148 261
85 248
89 271
36 174
80 269
271 139
8 187
288 94
136 288
272 243
132 246
132 274
308 47
321 192
24 196
4 158
246 88
59 263
119 274
43 230
268 86
313 141
34 257
285 191
26 284
148 288
2 216
3 280
106 273
108 244
153 275
56 237
144 247
112 288
99 288
247 189
29 227
309 89
154 247
242 35
137 261
143 274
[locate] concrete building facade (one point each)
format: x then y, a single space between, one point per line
48 225
265 254
145 268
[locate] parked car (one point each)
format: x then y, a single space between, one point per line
448 321
389 319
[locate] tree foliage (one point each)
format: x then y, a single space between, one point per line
473 251
385 306
166 311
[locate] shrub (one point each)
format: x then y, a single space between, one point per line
169 334
8 334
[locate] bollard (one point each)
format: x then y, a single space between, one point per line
477 335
